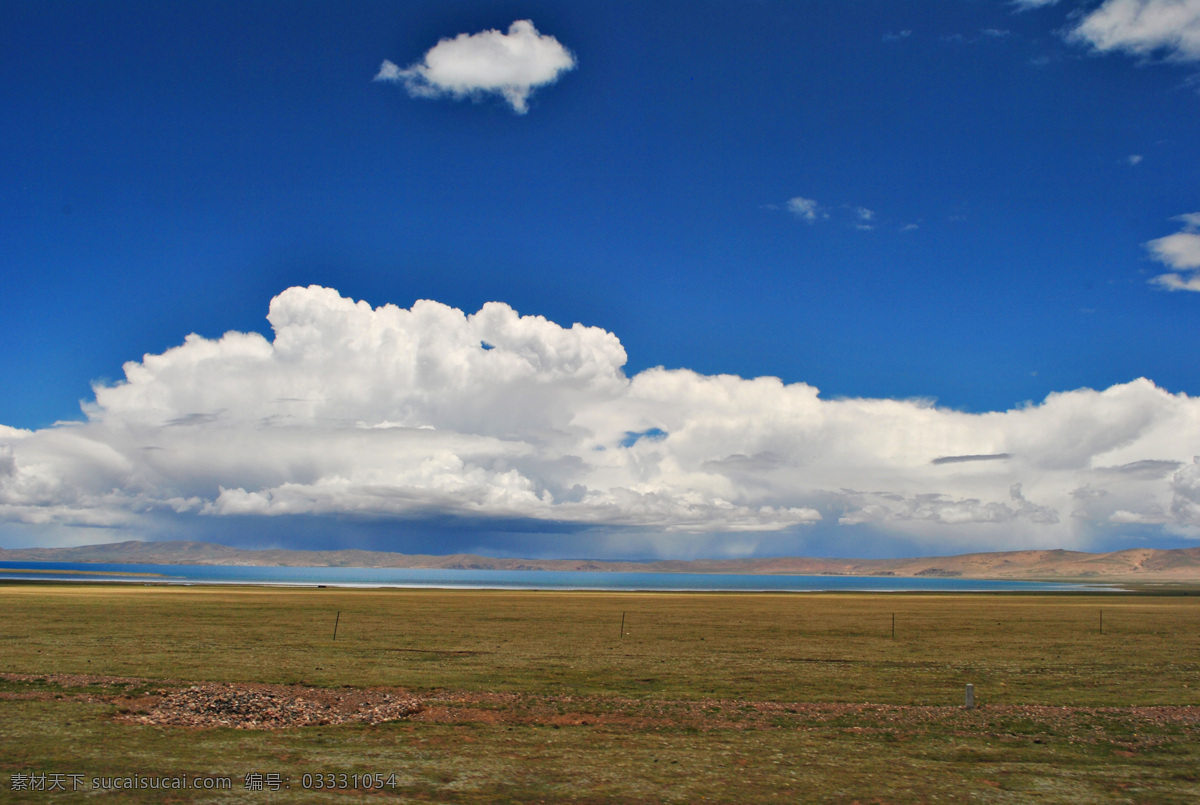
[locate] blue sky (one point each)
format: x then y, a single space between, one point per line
961 205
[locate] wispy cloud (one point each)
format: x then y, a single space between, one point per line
810 211
509 64
1134 159
961 459
403 414
1143 28
1181 252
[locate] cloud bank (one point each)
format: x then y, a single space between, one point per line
509 64
1143 28
427 412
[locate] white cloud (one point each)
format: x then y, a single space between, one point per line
1134 159
405 414
1027 4
1181 252
805 208
509 64
1178 282
1185 500
1143 27
389 71
811 211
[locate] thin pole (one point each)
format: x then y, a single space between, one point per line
893 625
1102 621
335 624
622 625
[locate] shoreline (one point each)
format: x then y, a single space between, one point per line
153 580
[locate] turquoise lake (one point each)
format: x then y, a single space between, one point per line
515 579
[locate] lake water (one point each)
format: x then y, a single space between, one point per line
509 579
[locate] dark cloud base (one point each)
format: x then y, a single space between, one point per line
527 539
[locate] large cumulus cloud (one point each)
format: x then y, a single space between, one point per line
1143 27
428 412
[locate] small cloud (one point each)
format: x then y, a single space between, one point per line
896 37
1178 282
193 419
388 71
996 33
511 65
1133 159
975 457
1142 28
1025 5
909 228
1146 468
811 211
1181 252
805 208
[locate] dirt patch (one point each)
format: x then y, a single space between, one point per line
82 680
1080 723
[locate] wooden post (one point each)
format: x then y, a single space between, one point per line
893 625
970 704
1102 621
622 625
335 624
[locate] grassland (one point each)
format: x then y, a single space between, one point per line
540 697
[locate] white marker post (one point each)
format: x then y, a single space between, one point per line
970 697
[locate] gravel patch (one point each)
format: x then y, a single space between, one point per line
272 707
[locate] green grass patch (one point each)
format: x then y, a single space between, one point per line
724 697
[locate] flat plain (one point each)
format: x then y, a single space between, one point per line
545 697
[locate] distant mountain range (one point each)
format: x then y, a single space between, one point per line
1137 564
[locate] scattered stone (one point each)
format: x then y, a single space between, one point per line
266 707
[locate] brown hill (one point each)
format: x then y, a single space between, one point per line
1137 564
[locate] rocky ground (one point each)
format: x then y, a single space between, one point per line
241 706
268 707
